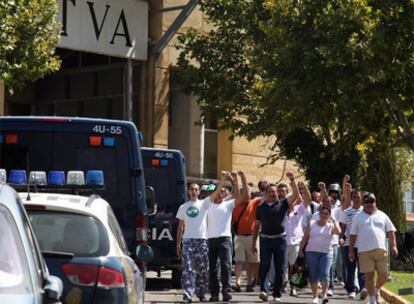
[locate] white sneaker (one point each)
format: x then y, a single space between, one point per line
330 292
315 300
263 296
352 295
293 293
277 300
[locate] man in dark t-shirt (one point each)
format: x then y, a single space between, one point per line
269 219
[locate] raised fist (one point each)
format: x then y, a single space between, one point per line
290 175
321 185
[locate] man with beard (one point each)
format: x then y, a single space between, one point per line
269 221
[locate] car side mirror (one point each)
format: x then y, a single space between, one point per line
53 288
150 200
144 253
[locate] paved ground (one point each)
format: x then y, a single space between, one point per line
159 290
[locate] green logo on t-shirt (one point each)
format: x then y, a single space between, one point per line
192 211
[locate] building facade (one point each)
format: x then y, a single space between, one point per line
113 66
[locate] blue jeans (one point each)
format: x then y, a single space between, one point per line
333 266
276 247
319 265
351 266
220 248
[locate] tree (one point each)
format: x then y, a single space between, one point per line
29 33
276 66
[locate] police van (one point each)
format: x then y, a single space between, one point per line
164 171
62 144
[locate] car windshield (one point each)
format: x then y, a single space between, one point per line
14 278
74 233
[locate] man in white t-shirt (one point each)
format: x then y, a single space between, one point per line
219 233
371 227
192 245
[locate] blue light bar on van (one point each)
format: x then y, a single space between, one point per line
164 163
109 141
56 178
3 176
1 139
95 177
17 177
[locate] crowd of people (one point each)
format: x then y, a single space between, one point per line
342 237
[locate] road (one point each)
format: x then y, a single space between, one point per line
159 291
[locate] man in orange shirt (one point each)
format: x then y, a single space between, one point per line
244 219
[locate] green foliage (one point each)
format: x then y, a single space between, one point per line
382 173
342 69
321 162
29 33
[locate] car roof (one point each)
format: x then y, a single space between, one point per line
93 205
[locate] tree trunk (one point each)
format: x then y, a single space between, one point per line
383 179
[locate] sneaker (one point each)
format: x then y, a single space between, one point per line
364 294
263 296
325 300
203 299
293 293
236 287
351 295
315 300
249 288
330 292
277 300
214 298
187 298
226 296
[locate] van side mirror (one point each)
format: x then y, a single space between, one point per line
150 200
53 288
144 253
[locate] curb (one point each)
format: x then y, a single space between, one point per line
392 298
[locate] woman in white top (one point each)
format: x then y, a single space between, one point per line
317 239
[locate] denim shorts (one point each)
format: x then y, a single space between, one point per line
319 264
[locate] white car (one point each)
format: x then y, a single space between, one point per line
83 245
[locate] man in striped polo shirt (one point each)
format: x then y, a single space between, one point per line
346 225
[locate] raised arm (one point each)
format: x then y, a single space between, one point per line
347 192
244 196
307 198
232 177
322 187
216 192
295 191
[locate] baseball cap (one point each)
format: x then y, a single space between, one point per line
211 187
204 188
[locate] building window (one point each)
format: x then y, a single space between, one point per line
210 149
409 200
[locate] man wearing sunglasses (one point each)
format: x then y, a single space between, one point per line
371 227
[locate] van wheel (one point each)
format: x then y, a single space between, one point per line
176 279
